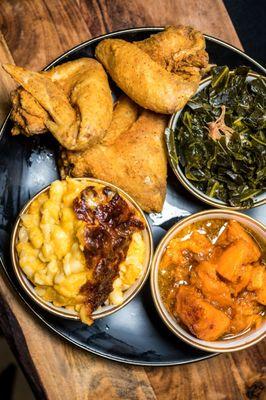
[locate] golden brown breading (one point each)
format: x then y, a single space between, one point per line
179 49
160 73
73 101
135 161
125 114
27 114
142 79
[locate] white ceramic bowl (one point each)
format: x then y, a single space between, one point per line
238 342
102 311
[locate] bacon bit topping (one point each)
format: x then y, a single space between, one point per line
218 126
110 225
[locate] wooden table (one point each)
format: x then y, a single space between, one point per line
32 33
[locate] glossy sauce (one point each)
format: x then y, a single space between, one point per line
107 235
211 278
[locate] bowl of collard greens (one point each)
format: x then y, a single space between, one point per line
217 143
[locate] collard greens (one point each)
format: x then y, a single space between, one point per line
229 165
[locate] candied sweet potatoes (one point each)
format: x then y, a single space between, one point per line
239 253
202 319
217 280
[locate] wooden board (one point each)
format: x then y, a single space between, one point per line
32 33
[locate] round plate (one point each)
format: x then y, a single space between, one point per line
135 334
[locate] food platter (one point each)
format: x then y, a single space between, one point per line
135 334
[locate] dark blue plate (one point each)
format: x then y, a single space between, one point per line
135 334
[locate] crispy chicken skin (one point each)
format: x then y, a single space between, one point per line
125 114
27 114
142 79
73 101
134 159
160 73
179 49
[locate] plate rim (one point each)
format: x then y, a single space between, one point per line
96 352
80 46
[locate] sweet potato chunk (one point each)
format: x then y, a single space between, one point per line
179 251
239 253
261 294
258 283
245 313
243 280
234 231
204 277
256 280
201 318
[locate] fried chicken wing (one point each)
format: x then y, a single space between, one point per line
73 101
162 72
27 114
134 159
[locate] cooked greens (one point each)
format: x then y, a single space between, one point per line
220 137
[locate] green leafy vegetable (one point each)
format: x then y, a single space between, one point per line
220 137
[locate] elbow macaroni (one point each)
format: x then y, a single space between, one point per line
50 252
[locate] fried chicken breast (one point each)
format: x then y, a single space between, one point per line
162 72
73 101
134 160
125 114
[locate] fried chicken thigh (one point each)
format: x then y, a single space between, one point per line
73 101
134 159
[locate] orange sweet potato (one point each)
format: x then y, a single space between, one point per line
257 278
261 294
204 277
235 231
245 313
201 318
243 280
179 252
258 283
239 253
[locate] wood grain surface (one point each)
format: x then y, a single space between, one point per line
33 33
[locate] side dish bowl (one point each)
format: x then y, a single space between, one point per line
104 310
235 343
178 170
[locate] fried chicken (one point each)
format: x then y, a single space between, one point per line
125 114
73 101
179 49
160 73
134 159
